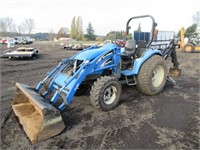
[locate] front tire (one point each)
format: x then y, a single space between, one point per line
152 76
105 93
188 48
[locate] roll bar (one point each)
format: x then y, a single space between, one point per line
154 24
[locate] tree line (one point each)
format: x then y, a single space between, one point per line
8 26
76 31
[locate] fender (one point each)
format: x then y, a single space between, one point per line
191 42
146 55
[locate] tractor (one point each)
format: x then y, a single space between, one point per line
193 43
103 70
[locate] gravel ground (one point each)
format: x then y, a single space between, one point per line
170 120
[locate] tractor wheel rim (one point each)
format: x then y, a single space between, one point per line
158 76
110 95
188 48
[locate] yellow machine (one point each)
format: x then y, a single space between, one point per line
192 45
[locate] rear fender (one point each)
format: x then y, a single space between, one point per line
191 42
139 61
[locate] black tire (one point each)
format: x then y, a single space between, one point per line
105 93
188 48
152 76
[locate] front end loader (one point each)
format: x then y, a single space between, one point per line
102 70
38 109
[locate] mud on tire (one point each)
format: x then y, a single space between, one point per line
152 76
105 93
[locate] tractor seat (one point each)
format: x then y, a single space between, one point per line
130 49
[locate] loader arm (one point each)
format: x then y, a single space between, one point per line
38 109
66 85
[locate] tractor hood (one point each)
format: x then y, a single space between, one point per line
91 54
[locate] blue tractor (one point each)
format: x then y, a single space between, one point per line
103 70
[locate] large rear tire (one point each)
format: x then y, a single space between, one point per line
152 76
105 93
188 48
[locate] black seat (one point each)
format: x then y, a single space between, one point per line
130 49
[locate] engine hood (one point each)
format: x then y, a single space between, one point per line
91 54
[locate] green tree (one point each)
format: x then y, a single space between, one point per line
129 36
90 32
190 30
79 28
73 28
99 38
113 35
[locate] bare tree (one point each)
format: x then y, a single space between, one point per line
3 26
139 29
10 24
28 25
196 18
20 29
7 25
51 34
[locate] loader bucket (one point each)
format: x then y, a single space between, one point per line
39 119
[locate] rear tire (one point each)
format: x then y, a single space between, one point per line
188 48
152 76
105 93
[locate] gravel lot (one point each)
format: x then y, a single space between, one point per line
170 120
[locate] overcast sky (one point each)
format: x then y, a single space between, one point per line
105 15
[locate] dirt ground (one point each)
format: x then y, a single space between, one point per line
170 120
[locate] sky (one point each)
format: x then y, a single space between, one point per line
104 15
